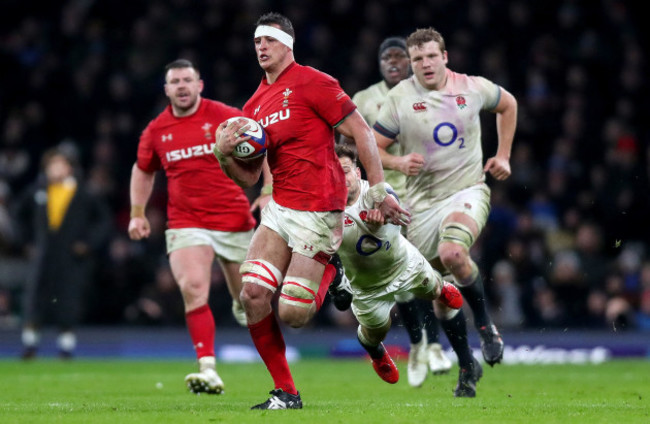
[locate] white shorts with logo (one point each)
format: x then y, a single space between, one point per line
425 226
372 307
231 246
306 233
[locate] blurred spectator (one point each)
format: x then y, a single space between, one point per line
596 309
619 314
158 302
6 228
63 226
549 313
508 308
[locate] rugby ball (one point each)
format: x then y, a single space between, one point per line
253 147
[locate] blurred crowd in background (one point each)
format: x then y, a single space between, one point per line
567 243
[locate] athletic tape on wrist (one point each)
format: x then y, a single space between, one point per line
267 189
217 153
378 192
278 34
137 211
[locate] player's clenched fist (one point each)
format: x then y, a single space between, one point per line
139 228
410 164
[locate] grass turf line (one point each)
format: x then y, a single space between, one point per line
333 391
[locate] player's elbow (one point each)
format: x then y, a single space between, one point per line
244 173
509 103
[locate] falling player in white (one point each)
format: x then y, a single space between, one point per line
380 264
418 319
436 114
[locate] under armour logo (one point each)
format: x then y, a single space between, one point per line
419 107
167 137
310 248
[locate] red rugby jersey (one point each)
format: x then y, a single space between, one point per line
200 195
298 112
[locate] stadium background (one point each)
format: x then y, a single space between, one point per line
567 244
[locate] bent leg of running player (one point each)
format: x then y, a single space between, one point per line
262 274
458 232
233 280
373 315
191 267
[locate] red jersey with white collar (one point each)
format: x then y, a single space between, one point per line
298 112
200 195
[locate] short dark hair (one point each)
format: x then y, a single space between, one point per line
389 42
275 18
181 64
346 150
424 35
55 153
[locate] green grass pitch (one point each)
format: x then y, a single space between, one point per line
333 391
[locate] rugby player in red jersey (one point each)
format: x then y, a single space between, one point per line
208 214
301 227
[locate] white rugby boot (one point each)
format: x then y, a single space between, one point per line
206 380
438 361
418 362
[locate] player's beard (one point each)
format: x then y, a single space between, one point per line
186 106
353 195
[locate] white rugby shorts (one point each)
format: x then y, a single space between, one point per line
306 233
372 307
231 246
425 226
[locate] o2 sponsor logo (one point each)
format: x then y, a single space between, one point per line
445 134
369 244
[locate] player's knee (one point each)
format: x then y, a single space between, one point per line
252 295
455 242
294 317
260 281
457 234
194 291
452 256
373 336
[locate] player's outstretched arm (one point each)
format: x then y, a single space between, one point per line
140 190
244 173
356 128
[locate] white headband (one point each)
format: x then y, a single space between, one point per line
278 34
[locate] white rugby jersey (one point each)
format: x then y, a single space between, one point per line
368 103
372 256
444 127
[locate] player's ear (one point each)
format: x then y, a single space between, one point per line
201 86
358 173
